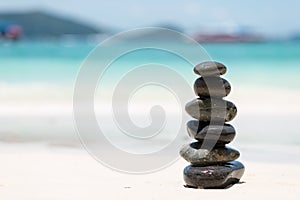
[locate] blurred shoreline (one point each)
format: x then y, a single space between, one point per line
36 90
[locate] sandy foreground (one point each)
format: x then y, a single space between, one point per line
36 171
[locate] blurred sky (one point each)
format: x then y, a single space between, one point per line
273 17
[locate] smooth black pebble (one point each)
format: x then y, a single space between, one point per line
200 130
214 176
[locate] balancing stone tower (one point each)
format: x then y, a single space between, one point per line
213 164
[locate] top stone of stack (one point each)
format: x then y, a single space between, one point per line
210 68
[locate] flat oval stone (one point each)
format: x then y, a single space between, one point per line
210 68
214 176
218 133
197 156
205 110
212 87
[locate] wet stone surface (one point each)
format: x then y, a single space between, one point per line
196 154
211 109
200 130
213 176
211 87
210 68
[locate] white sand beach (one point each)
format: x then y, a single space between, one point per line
42 158
38 171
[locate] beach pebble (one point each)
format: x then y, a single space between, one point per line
197 155
221 134
211 109
212 87
210 68
214 176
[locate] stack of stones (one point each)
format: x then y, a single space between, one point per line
213 164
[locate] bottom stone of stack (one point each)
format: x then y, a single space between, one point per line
213 176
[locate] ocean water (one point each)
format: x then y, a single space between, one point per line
37 79
273 63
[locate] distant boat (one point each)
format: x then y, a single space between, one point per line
227 38
10 30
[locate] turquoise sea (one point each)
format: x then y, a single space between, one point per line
275 64
37 78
